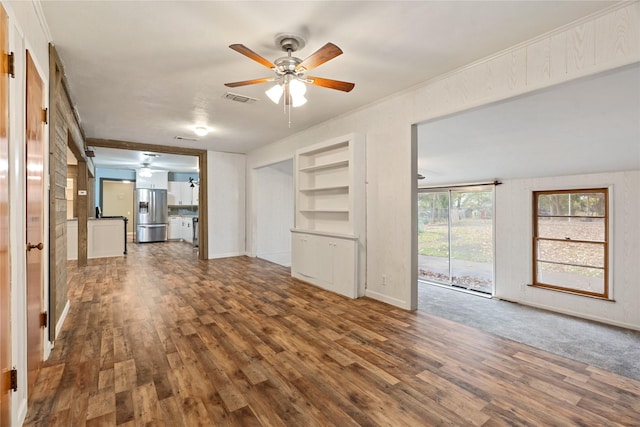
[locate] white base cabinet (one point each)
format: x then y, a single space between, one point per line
187 231
181 228
175 228
328 261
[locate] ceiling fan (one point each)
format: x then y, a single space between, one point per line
290 72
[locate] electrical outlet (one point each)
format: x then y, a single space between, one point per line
384 280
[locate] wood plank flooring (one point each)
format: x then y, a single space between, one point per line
161 338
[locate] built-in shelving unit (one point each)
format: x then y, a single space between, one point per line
328 237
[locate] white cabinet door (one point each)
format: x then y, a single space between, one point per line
345 267
175 228
187 231
323 260
174 196
302 261
158 180
187 194
195 195
326 261
179 193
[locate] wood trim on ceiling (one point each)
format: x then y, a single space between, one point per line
139 146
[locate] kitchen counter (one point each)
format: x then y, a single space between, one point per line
105 238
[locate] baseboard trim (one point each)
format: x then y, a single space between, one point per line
573 313
227 255
387 299
63 317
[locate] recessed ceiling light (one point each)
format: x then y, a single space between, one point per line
201 130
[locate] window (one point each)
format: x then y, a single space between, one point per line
570 241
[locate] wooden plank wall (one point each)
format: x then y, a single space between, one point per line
64 131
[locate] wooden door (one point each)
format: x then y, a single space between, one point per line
5 295
118 199
35 220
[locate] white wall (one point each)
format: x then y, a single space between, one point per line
594 44
274 212
226 204
513 209
26 31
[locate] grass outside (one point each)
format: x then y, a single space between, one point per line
471 240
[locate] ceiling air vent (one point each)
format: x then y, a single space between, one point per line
186 138
239 98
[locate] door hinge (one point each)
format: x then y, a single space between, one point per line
45 116
14 379
10 65
43 319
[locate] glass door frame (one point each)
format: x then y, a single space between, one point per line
461 188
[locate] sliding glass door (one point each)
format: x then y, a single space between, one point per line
455 237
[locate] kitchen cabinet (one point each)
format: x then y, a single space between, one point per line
328 240
195 195
187 230
181 194
326 261
181 228
158 180
175 228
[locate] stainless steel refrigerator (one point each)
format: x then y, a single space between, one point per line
151 215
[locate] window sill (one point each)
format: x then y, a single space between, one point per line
568 291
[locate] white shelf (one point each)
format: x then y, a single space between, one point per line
324 210
328 188
324 233
332 165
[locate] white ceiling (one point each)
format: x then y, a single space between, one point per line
149 71
585 126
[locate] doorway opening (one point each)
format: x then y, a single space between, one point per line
274 206
455 237
117 199
107 153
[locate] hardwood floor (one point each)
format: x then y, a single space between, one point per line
161 338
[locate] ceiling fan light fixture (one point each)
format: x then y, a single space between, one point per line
297 88
201 130
275 93
298 100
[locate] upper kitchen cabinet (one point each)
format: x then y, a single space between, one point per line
182 194
158 180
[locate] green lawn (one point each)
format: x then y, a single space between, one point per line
470 240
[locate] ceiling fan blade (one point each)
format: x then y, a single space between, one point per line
249 82
331 84
319 57
240 48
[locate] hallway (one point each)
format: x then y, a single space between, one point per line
163 338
